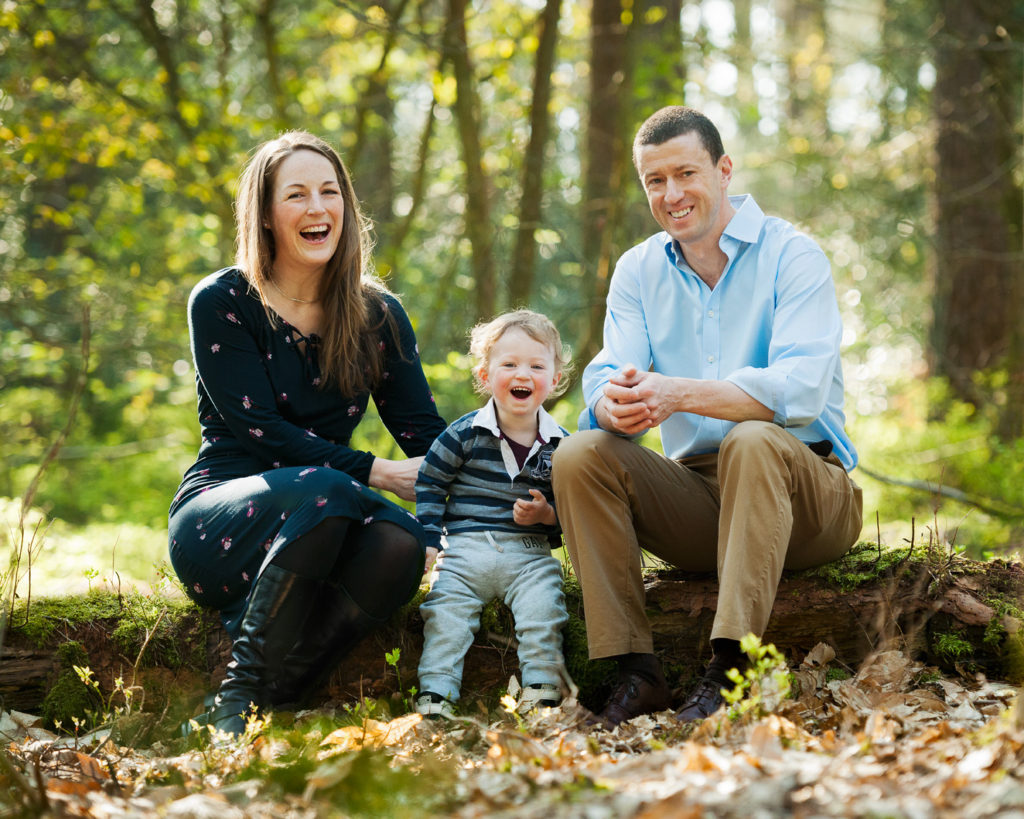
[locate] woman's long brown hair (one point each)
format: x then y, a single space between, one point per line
352 357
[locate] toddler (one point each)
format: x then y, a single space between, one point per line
486 485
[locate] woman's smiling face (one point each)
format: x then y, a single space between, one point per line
306 212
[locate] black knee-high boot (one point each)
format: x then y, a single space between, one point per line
279 605
338 625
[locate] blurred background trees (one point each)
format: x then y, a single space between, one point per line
490 143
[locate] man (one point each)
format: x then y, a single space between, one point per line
724 331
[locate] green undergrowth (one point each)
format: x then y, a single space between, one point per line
362 783
593 677
1005 634
951 648
69 700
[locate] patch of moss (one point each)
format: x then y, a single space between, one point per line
496 618
930 675
866 563
995 631
160 620
1009 645
836 673
69 698
47 614
593 677
135 617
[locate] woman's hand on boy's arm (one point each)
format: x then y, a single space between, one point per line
428 565
398 477
534 511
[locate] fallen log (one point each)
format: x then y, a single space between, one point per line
952 612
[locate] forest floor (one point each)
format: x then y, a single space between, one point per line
896 739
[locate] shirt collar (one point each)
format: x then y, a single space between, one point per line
547 427
745 226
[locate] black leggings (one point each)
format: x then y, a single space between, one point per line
378 564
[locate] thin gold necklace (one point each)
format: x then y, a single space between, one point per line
292 298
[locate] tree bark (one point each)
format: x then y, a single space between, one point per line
477 214
603 170
524 254
393 251
808 65
264 19
743 57
978 289
372 155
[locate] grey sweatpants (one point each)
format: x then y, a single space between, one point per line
475 568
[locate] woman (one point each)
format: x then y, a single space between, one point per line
274 524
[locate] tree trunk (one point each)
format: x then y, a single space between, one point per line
603 170
977 303
265 24
636 67
392 252
655 77
467 114
372 156
524 255
743 57
808 65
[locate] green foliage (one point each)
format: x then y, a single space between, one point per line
73 697
951 647
836 673
66 555
961 452
763 685
365 784
356 783
408 698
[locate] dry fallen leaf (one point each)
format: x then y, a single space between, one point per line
370 734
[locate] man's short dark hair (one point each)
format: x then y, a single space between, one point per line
676 120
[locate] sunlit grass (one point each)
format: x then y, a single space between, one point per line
73 559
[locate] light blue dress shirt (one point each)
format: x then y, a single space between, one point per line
770 326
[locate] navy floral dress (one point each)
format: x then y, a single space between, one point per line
274 459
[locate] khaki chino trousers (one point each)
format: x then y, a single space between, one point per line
763 503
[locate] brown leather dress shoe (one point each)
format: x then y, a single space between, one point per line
634 695
703 702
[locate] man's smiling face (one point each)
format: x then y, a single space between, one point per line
687 192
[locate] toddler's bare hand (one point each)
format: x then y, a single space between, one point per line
534 511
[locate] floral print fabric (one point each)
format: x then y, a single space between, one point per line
275 459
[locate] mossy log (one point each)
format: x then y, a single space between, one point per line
953 612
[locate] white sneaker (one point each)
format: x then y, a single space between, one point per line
434 706
539 695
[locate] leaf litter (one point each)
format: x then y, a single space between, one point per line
896 739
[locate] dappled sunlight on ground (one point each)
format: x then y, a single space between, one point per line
896 739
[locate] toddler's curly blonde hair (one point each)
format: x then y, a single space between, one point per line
537 326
